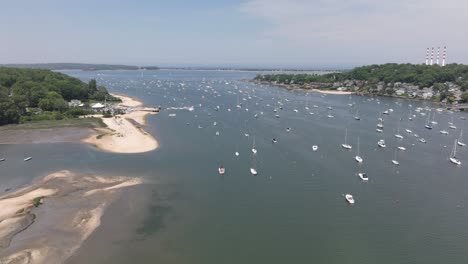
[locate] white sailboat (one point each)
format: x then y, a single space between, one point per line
254 150
459 140
357 117
394 160
453 155
346 145
433 119
428 125
221 170
349 198
358 157
363 176
398 135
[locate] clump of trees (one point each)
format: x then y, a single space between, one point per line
420 75
30 94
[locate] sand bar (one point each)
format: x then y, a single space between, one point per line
73 205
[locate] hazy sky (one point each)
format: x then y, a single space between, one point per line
231 32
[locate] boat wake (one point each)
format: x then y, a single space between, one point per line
187 108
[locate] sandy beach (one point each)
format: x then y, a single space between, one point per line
55 215
124 133
332 92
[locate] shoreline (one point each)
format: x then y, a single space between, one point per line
54 215
124 133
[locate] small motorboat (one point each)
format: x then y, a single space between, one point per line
237 154
2 159
221 170
254 151
444 132
253 171
357 118
452 127
428 126
295 110
288 129
395 162
28 159
381 143
277 116
379 130
422 140
402 148
408 131
217 133
314 148
363 176
274 140
459 143
330 116
398 136
349 198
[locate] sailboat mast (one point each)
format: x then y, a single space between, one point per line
346 136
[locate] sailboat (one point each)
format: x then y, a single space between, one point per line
459 140
349 198
453 155
398 135
346 145
428 125
451 126
381 143
254 150
433 119
221 170
394 160
363 176
356 117
358 158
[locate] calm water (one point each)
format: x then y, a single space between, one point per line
293 211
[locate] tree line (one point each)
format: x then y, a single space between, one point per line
31 94
420 75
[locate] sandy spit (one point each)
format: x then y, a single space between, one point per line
73 205
124 133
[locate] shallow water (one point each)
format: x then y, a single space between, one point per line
294 209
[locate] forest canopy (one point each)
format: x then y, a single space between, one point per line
45 90
420 75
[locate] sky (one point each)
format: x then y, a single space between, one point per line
232 33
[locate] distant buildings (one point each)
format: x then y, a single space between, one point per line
75 103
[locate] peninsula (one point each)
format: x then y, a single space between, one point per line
446 84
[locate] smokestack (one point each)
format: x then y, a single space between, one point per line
432 55
427 56
438 53
443 56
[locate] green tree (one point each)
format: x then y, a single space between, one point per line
53 102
